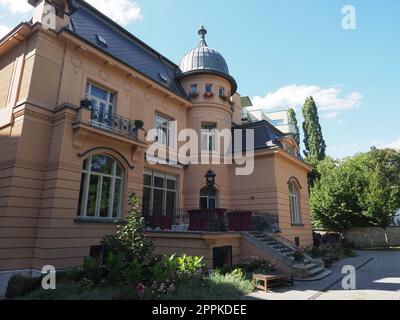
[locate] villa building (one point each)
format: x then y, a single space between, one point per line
73 87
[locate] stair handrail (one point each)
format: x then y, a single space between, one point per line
294 245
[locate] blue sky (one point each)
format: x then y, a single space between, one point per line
281 51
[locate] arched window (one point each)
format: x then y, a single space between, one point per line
294 201
208 198
101 188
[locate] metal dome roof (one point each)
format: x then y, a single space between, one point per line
203 58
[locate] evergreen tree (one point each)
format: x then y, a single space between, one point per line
313 140
293 120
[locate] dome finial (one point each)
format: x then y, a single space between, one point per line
202 33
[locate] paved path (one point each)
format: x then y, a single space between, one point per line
377 278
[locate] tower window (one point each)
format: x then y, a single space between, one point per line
193 89
209 137
208 88
221 91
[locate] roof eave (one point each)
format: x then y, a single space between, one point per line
228 77
70 35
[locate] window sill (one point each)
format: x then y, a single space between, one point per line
98 220
297 225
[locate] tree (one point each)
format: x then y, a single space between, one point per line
130 241
360 191
293 120
313 139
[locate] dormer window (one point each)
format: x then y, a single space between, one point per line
101 40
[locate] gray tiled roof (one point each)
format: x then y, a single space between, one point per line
87 23
266 136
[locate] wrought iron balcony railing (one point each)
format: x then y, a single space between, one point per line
114 123
214 220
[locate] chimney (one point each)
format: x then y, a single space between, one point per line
51 14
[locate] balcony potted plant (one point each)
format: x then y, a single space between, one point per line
86 103
139 124
208 95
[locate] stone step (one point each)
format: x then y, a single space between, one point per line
314 272
310 266
318 277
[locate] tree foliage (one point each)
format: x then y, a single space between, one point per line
360 191
130 240
293 120
313 139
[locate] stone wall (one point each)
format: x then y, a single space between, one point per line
374 237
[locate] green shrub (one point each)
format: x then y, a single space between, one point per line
190 265
135 271
19 286
92 270
231 286
115 267
71 275
130 240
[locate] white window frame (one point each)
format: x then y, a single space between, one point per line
163 123
209 135
164 188
96 102
85 192
294 203
209 197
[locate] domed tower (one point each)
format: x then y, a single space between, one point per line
206 79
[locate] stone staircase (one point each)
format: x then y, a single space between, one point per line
281 251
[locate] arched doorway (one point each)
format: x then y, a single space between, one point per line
208 198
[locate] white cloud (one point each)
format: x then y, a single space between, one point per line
121 11
16 6
329 116
395 144
328 99
4 30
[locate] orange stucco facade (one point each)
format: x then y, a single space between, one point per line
45 137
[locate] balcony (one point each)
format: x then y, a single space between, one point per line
213 220
108 124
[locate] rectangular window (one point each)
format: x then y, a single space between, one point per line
193 89
102 104
163 129
159 193
221 91
209 137
208 88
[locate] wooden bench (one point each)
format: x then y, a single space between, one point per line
270 279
